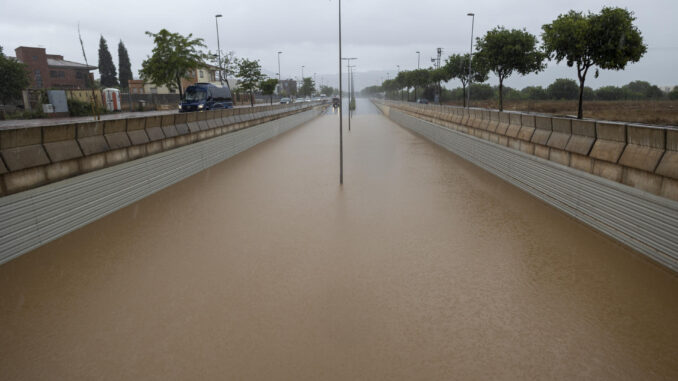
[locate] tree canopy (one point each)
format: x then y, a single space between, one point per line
268 87
13 78
249 72
563 88
307 87
456 67
124 65
106 66
506 51
174 57
608 40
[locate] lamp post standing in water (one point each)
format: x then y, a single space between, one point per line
348 69
470 58
341 141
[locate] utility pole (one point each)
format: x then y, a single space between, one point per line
418 67
341 138
348 69
279 76
470 58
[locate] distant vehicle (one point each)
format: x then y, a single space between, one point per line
335 102
308 99
317 99
422 101
205 96
323 96
285 101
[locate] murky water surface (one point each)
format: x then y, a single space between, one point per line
422 267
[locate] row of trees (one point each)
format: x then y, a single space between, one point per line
107 70
607 40
175 57
560 89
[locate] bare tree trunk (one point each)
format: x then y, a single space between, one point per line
252 98
501 94
463 86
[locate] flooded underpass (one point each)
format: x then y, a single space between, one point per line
422 266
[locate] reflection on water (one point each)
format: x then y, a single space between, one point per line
421 267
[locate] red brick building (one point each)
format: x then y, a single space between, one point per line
51 71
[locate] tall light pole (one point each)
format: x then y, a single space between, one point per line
348 69
401 90
302 72
341 112
418 67
279 76
315 81
470 58
221 76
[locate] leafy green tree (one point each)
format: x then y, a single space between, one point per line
403 80
13 78
420 78
456 67
390 87
249 72
534 93
307 87
229 63
268 87
607 40
507 51
124 65
174 57
563 88
106 67
642 90
482 91
673 94
610 93
328 90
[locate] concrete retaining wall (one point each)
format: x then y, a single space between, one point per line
34 217
630 214
640 156
36 156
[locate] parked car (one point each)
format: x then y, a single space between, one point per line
422 101
285 101
205 96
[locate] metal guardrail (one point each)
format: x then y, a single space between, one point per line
640 220
35 217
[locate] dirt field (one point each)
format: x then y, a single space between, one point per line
651 112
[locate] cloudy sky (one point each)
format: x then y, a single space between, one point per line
381 33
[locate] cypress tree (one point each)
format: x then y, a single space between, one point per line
124 65
106 67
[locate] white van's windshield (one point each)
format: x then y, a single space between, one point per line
195 94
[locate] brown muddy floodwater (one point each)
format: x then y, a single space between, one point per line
422 267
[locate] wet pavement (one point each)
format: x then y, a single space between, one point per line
421 267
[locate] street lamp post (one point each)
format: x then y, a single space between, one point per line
348 69
279 76
221 76
418 67
401 89
341 139
470 58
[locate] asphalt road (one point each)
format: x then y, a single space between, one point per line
421 267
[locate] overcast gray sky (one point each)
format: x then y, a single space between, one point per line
382 33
